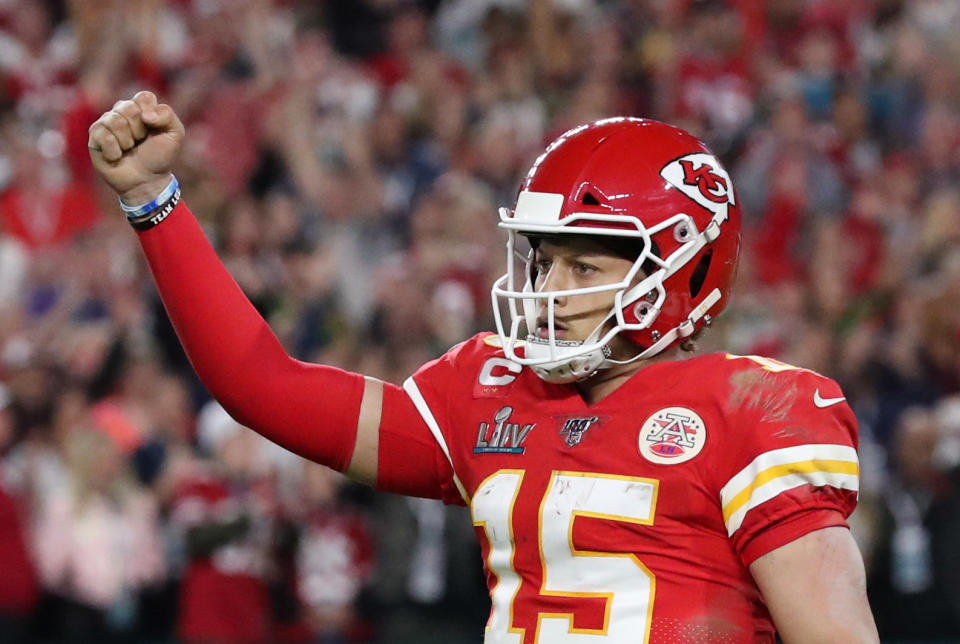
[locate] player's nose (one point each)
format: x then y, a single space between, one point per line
554 281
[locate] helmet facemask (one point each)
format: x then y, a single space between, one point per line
641 291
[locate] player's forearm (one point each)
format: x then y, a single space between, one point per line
222 333
309 409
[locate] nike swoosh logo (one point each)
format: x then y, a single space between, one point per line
825 402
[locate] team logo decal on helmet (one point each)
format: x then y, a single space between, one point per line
672 435
701 178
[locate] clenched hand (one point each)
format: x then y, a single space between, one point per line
134 145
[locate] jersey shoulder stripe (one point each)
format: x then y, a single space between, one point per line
779 470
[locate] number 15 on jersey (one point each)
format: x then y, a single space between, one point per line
620 579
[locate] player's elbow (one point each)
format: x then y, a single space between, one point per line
244 395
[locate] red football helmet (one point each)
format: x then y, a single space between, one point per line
624 177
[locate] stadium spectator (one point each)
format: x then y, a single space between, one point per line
94 570
19 588
915 573
224 515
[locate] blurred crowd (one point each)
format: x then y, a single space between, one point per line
346 158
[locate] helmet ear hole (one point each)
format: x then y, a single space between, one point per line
699 274
589 199
641 309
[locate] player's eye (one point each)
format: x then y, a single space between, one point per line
582 268
542 265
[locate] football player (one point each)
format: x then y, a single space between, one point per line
620 492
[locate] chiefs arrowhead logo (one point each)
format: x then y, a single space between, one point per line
700 177
710 184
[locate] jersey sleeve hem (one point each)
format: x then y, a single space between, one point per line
413 391
789 529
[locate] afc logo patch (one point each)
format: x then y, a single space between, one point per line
672 435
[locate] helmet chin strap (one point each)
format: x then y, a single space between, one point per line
683 330
564 370
580 367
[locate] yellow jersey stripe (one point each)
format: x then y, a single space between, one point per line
778 471
784 456
774 472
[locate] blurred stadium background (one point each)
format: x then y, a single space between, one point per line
347 158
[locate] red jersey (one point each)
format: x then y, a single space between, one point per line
223 597
634 519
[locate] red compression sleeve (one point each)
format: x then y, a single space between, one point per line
309 409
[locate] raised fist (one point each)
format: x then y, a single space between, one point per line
134 146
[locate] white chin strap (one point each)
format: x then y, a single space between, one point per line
564 367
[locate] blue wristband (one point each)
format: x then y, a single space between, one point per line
157 216
136 212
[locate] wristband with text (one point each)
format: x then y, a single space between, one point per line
156 216
136 212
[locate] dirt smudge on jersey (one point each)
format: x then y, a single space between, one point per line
797 432
762 391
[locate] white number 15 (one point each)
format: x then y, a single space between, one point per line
625 584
